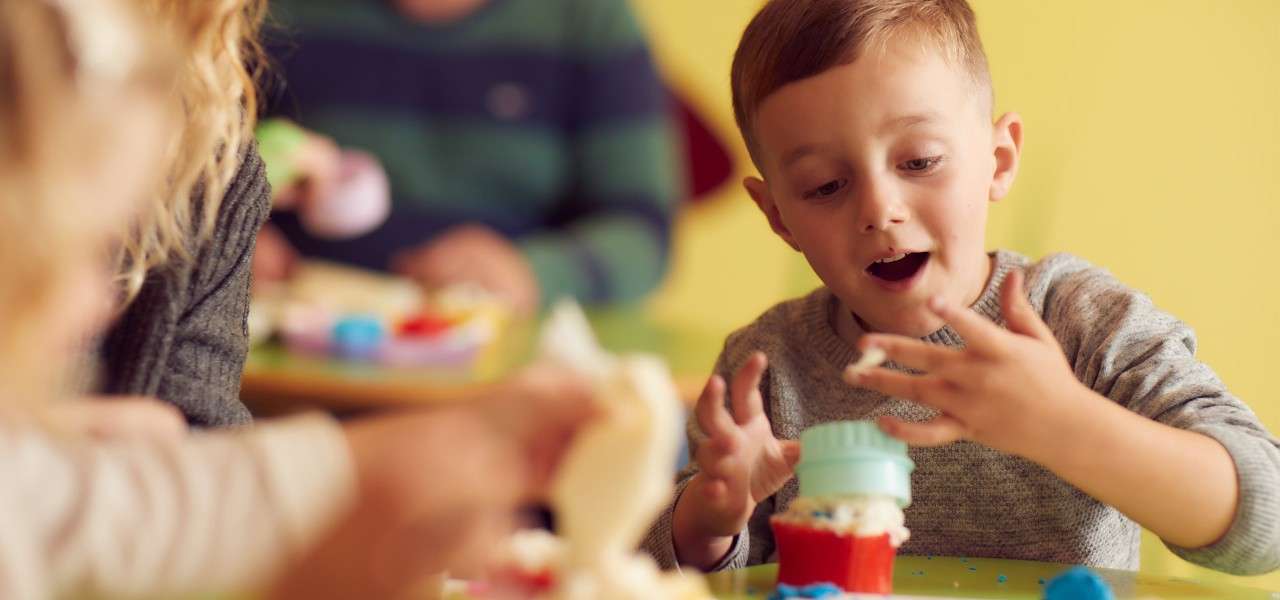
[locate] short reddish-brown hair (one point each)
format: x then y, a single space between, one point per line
790 40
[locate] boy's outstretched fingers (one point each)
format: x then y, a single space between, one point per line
1019 315
745 394
712 416
939 431
929 390
911 353
979 334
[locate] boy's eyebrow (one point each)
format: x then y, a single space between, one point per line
798 153
905 121
899 122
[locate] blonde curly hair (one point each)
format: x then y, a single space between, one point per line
216 89
75 77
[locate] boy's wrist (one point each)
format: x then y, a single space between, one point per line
1077 439
695 542
705 521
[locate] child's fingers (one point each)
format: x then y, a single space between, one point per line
745 393
712 416
923 389
939 431
911 353
1018 312
979 333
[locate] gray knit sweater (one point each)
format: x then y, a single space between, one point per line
185 337
970 500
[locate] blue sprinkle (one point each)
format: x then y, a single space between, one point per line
962 559
1041 581
822 590
973 568
1002 579
930 557
812 591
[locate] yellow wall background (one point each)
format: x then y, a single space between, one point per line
1152 149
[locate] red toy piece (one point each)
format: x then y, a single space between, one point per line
424 325
859 565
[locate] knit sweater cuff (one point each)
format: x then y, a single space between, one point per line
1252 544
661 540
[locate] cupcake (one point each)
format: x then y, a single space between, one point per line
847 524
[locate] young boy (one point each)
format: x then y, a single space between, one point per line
1048 420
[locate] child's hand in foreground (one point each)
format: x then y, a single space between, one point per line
741 463
1005 390
440 489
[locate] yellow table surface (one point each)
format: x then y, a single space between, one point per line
952 577
276 381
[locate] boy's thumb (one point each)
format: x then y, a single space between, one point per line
791 452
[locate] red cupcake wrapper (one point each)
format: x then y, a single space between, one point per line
809 555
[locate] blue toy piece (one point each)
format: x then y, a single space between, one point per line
1078 583
358 336
814 590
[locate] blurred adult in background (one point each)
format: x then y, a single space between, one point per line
528 143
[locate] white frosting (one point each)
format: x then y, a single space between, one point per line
535 550
870 359
861 516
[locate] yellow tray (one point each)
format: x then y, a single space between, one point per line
952 577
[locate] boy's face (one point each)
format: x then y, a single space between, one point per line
891 155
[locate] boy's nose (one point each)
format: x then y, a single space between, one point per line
880 209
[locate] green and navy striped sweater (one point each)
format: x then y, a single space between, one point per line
544 119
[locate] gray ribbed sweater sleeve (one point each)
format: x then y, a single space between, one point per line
185 337
1126 349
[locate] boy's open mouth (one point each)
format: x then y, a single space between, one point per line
898 268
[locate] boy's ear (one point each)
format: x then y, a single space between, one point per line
1006 142
759 191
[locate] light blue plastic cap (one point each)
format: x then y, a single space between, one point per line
848 458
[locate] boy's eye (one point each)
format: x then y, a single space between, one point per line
827 189
921 165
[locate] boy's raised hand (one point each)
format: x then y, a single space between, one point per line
1006 389
741 462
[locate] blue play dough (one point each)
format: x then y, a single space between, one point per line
815 590
1078 583
358 336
